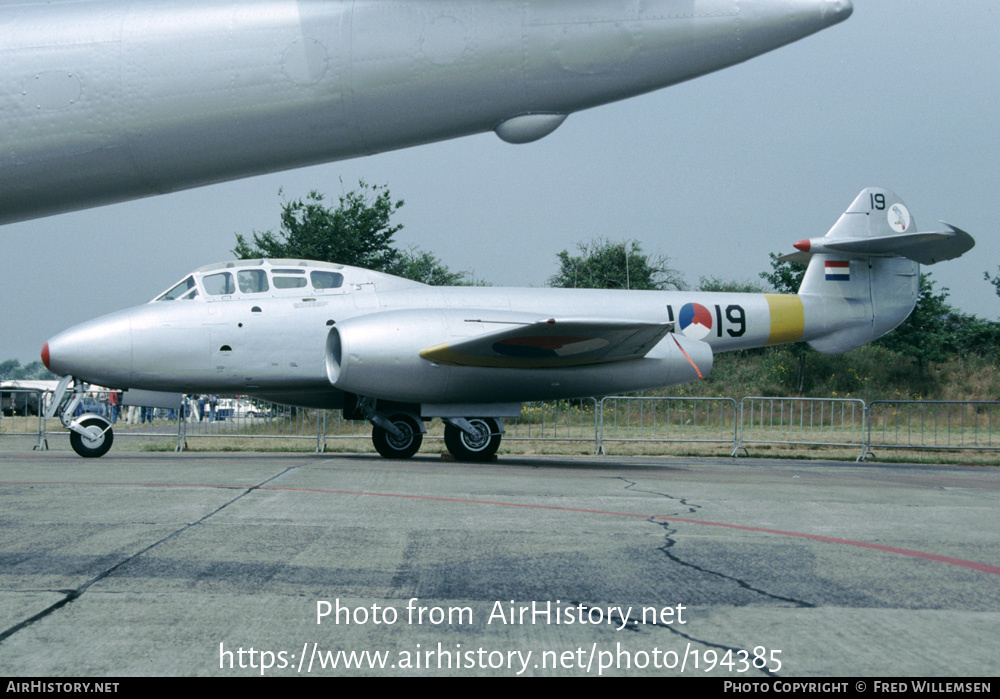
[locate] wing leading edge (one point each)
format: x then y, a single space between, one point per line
552 344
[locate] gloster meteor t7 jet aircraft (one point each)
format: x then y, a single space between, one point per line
398 353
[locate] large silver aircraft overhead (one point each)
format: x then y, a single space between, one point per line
108 100
398 353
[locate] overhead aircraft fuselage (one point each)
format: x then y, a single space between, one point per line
110 100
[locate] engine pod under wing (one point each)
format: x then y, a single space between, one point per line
551 344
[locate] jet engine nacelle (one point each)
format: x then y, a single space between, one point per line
378 355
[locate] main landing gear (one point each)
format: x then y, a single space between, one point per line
400 438
474 439
398 435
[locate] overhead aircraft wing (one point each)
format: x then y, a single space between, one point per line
552 344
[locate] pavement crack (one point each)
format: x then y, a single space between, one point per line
630 623
689 508
72 595
671 541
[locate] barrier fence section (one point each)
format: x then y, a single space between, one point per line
336 427
21 414
658 419
835 422
933 425
239 418
575 420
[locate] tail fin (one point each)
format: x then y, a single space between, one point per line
864 275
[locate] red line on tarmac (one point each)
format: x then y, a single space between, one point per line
960 562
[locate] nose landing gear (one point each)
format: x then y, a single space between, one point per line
94 438
91 435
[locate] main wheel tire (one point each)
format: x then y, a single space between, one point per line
480 447
392 447
95 446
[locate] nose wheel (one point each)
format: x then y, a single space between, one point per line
94 438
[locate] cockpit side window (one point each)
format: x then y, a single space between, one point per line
218 284
185 290
288 278
252 281
326 280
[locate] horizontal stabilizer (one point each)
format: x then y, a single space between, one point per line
552 344
925 248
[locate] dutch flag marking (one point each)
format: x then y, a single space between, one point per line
838 271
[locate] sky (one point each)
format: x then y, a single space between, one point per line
714 173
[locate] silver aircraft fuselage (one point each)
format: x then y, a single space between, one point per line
110 100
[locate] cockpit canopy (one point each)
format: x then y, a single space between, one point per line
267 277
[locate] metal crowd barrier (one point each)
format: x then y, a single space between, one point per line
933 425
336 427
574 420
21 414
636 419
836 422
250 419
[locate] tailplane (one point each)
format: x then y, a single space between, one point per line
863 277
878 224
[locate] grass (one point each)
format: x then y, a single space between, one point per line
586 448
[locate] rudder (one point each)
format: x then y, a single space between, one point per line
861 287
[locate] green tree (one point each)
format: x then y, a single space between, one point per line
421 266
929 333
718 284
357 231
972 335
11 370
937 332
785 277
605 264
995 281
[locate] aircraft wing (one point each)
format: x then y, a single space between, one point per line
552 344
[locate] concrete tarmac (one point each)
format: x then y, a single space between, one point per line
285 564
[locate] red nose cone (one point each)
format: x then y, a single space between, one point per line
45 355
802 245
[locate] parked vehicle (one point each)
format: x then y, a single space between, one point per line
236 409
19 403
89 404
